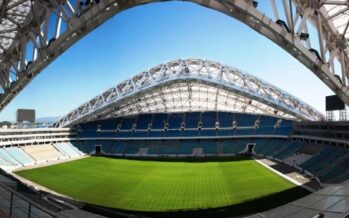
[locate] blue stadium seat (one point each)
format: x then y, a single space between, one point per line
208 119
159 121
225 119
244 131
244 120
143 121
175 120
209 146
187 146
127 123
192 119
108 124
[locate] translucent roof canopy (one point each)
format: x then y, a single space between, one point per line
33 33
338 13
192 85
13 14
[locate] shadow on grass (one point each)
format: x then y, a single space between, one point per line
244 208
181 159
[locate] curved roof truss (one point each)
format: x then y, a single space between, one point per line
34 33
191 85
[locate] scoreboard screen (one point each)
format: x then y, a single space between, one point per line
333 103
25 115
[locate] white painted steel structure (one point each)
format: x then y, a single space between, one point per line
33 33
191 85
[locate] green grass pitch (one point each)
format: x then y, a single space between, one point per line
158 185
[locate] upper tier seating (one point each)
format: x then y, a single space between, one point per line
244 120
42 152
109 124
195 124
208 119
143 121
175 121
159 121
192 119
225 119
127 123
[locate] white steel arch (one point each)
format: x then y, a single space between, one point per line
191 85
33 33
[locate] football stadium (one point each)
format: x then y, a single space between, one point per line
190 137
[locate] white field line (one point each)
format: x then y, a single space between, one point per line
285 176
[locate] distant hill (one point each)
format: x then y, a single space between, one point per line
7 123
46 119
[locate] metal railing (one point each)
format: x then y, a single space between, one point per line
13 205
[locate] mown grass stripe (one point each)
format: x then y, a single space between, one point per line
159 185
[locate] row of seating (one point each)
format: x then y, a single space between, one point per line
188 120
67 149
32 154
185 133
42 152
186 147
330 164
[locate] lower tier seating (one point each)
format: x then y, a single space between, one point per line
67 149
19 155
329 163
42 152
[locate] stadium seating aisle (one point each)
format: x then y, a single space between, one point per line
298 158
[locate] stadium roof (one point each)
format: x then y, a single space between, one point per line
33 33
338 13
191 85
13 14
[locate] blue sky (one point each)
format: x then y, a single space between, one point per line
148 35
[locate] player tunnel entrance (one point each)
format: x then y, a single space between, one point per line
249 148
